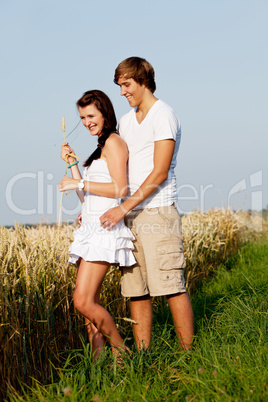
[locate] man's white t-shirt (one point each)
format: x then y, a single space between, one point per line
161 123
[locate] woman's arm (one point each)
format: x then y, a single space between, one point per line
65 151
116 154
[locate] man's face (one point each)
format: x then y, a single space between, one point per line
133 91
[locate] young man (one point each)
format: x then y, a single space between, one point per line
152 132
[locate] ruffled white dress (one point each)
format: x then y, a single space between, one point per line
91 241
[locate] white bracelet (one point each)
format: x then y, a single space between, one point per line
81 184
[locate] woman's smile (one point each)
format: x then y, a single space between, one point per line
92 119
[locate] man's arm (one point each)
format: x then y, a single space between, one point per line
163 153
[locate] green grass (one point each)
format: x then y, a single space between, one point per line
38 322
228 361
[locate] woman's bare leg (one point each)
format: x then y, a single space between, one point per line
90 276
95 338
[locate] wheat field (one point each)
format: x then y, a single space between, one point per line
39 324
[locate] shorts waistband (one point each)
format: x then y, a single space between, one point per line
174 204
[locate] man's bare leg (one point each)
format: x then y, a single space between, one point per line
183 318
141 312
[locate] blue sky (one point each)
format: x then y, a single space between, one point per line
211 66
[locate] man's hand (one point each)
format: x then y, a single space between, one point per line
111 217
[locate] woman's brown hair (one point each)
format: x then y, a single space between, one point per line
105 106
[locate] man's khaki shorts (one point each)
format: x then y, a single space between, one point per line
158 251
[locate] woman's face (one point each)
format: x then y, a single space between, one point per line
92 119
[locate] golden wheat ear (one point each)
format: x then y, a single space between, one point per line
72 155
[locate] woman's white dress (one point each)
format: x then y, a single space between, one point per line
91 241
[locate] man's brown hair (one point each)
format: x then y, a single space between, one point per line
137 68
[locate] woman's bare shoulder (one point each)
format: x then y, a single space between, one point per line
115 140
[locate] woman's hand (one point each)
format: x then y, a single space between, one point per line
65 150
67 184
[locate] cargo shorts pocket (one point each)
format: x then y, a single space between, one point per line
170 259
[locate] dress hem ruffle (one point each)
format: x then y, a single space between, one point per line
93 243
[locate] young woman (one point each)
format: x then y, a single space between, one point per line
103 184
